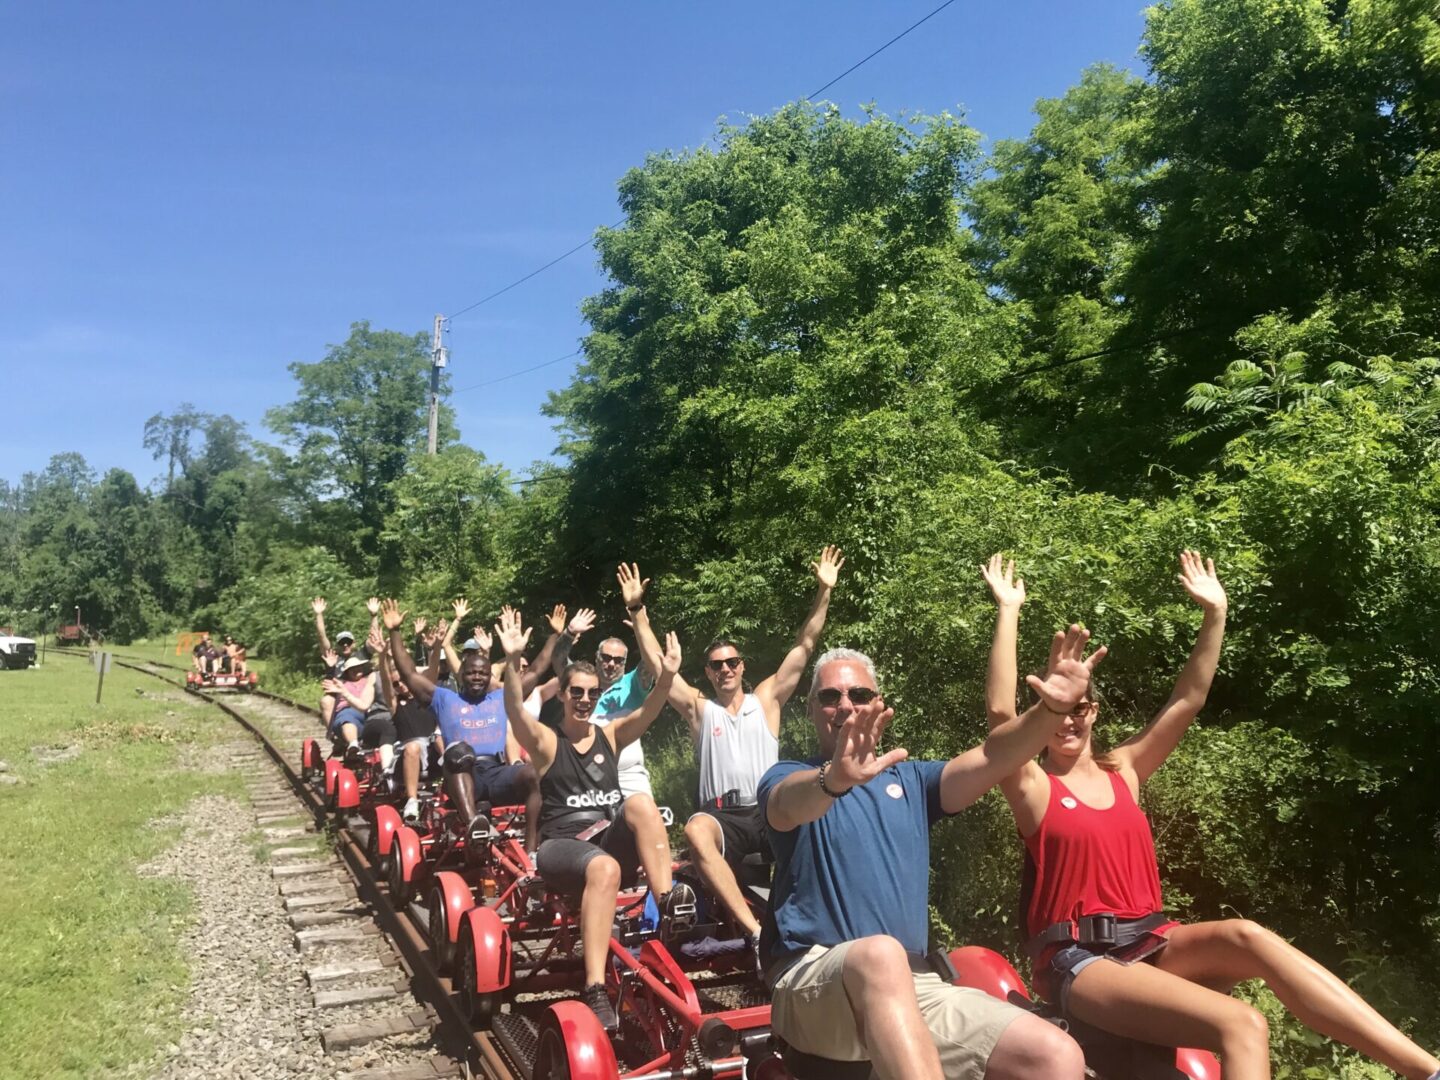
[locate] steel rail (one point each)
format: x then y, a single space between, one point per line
433 989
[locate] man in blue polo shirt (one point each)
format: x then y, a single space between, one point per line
847 931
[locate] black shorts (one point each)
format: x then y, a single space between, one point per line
497 783
742 832
414 722
378 731
562 862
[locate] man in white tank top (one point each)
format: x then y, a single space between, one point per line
736 735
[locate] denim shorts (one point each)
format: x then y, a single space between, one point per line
1070 960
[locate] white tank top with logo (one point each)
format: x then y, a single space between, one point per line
735 751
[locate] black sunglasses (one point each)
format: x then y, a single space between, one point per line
732 662
858 695
584 693
606 658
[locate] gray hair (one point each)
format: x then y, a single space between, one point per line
830 656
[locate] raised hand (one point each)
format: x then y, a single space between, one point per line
1067 677
391 615
583 620
442 627
462 608
318 605
512 638
373 605
855 761
330 686
482 638
1008 590
331 657
556 618
632 586
374 640
1198 577
420 625
670 662
827 570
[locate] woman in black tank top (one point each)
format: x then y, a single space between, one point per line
580 787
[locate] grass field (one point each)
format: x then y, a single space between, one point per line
93 976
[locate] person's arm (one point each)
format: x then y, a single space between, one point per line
387 677
775 691
435 652
1013 743
798 799
1147 750
419 684
539 669
626 729
1000 681
683 697
373 606
318 606
537 739
559 629
447 643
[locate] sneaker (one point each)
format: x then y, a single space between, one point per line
678 909
412 810
599 1003
354 756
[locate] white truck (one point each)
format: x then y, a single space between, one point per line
16 652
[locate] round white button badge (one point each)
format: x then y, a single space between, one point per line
1068 803
895 791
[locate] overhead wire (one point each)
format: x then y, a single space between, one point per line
814 93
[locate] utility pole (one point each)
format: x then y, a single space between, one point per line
439 357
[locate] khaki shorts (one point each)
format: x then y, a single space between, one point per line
811 1012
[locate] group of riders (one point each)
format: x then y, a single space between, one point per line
844 942
225 658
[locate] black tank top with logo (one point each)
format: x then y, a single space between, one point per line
578 789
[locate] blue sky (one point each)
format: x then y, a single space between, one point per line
192 196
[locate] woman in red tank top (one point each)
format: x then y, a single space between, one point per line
1091 852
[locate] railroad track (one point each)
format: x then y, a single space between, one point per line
326 911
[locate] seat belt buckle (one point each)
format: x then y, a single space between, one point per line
1096 930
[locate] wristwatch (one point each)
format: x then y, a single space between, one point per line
820 779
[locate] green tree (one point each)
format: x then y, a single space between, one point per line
358 415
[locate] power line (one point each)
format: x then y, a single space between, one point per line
515 374
586 242
882 48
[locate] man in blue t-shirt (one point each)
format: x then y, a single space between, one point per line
482 761
847 931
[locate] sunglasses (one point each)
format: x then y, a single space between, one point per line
858 695
606 658
731 662
584 693
1083 708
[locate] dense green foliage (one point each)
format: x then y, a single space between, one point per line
1193 309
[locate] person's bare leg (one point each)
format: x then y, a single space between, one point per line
597 915
349 732
1032 1047
327 709
530 781
1144 1002
387 755
702 833
1233 950
461 788
887 1015
410 769
652 843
